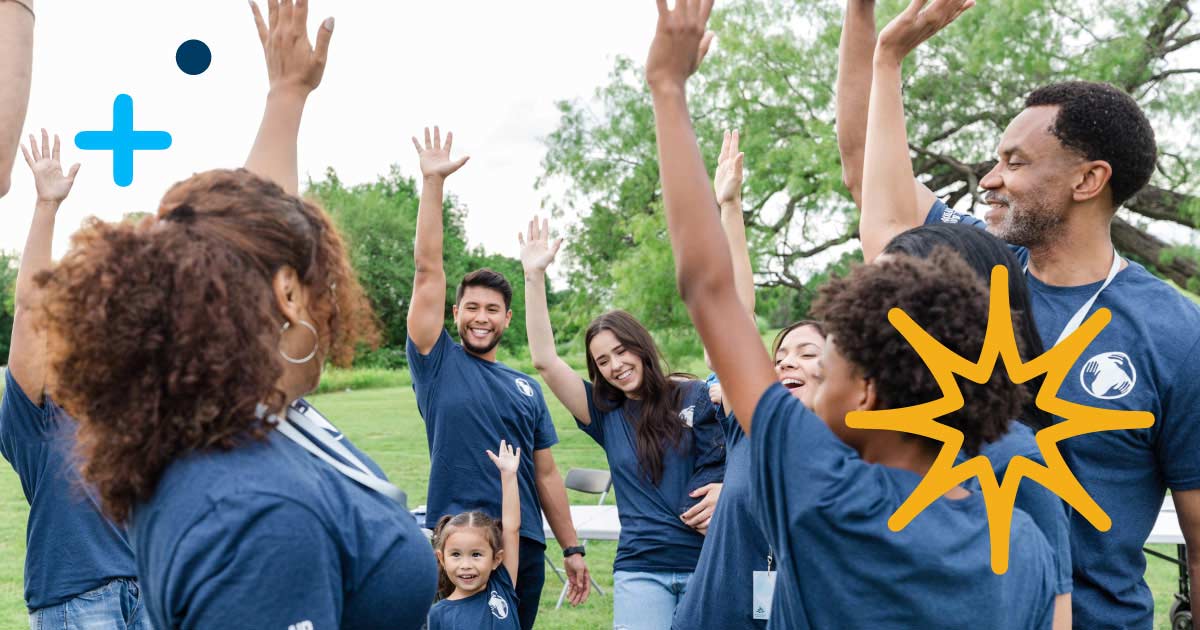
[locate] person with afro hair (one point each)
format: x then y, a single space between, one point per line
824 492
1064 165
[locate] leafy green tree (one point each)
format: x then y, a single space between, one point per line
378 221
772 75
8 288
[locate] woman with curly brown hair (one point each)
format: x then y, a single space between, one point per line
184 344
824 491
79 567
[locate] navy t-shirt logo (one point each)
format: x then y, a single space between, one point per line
495 602
526 389
1108 375
688 415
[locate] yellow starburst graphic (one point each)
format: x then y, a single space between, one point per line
999 341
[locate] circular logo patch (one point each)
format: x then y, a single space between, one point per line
498 605
525 387
1108 376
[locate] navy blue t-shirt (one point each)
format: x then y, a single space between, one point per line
653 536
493 608
720 593
1143 360
825 512
1048 512
69 547
708 440
469 405
267 535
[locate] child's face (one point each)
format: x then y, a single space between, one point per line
468 559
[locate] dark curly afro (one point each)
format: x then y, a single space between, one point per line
946 298
1103 123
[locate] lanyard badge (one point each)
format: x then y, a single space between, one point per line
291 427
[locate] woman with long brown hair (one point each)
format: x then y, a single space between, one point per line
659 434
183 345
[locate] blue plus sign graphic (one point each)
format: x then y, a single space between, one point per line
123 140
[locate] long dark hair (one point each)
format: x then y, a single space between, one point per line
448 525
982 252
657 424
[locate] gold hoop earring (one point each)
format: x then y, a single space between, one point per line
316 343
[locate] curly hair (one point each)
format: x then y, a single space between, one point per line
448 525
1103 123
943 296
163 336
982 252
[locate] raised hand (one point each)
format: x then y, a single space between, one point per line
508 461
680 42
920 21
728 180
435 157
52 185
292 62
536 250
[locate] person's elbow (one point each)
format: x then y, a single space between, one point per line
699 283
852 180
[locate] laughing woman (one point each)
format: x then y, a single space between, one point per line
659 434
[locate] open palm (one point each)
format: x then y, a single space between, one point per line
509 460
435 156
728 178
537 252
52 184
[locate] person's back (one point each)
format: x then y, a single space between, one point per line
936 572
337 554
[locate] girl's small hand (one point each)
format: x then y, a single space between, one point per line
509 460
52 185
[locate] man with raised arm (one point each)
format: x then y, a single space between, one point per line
1065 164
16 70
470 401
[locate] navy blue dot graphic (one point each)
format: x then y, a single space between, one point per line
193 57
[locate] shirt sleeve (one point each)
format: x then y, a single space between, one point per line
595 428
1179 438
425 367
939 212
255 561
25 419
708 440
1050 516
544 434
798 465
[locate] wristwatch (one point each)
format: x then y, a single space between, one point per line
577 549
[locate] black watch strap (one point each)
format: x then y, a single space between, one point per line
577 549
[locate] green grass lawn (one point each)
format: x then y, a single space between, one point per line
385 424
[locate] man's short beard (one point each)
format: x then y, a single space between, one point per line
1034 226
465 334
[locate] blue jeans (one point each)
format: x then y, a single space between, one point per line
114 606
646 601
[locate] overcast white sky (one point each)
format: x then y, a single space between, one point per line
490 71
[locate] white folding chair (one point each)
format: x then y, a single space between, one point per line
591 481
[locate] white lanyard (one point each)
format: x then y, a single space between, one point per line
1077 320
359 472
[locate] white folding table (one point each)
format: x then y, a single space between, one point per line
1167 531
592 522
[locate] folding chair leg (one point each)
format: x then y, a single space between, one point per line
561 596
596 585
557 572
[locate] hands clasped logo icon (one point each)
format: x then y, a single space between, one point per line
1000 341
